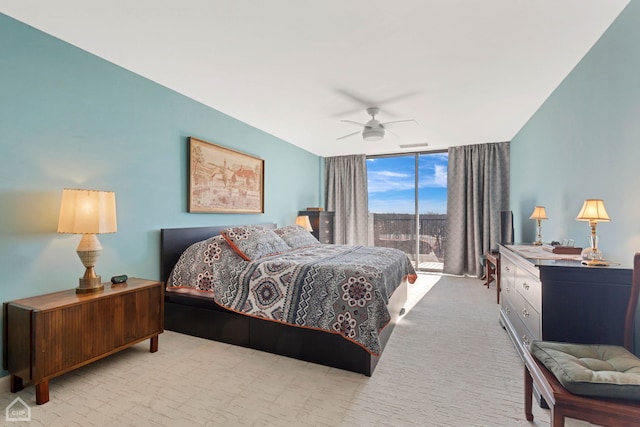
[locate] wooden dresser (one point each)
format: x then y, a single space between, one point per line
322 224
48 335
558 300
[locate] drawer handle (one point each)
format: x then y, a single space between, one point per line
507 268
526 286
326 221
507 310
525 340
525 313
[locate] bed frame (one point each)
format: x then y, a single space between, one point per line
202 317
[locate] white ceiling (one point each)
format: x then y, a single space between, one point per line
469 71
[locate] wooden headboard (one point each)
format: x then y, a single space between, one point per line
174 241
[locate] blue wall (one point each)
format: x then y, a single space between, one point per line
584 142
70 119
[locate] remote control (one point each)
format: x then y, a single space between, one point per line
119 279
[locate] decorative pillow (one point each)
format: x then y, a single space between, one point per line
591 370
252 242
206 266
296 236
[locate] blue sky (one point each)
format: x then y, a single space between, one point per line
391 182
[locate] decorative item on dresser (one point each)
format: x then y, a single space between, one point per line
88 212
539 213
49 335
593 211
322 224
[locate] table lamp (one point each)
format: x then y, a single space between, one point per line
539 213
88 212
593 211
303 221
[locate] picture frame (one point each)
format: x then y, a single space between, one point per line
222 180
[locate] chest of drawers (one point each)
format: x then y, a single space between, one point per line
561 300
322 224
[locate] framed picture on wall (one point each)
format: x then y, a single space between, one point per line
222 180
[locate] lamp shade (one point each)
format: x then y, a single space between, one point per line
593 210
539 212
303 221
87 212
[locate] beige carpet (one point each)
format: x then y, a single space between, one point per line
448 363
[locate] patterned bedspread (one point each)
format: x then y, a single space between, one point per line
337 288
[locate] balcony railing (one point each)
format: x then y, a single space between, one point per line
425 249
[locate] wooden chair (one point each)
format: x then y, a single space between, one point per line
562 403
493 271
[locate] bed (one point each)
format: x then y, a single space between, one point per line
195 311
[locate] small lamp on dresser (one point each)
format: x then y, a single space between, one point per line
539 213
88 212
593 211
303 221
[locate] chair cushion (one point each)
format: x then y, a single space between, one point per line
591 370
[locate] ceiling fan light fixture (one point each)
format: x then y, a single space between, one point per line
372 134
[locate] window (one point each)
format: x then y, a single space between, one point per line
408 192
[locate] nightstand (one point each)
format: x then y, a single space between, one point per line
49 335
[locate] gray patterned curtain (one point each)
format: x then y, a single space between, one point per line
347 196
477 190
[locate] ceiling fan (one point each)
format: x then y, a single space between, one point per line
373 130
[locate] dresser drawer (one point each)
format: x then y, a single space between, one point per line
325 234
509 310
530 288
507 277
507 291
512 310
507 271
530 317
524 335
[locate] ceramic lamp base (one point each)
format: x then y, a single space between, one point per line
89 250
90 284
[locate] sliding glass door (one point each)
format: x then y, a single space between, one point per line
408 205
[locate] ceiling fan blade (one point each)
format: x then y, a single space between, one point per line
397 97
400 121
357 98
368 102
347 136
392 132
351 121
